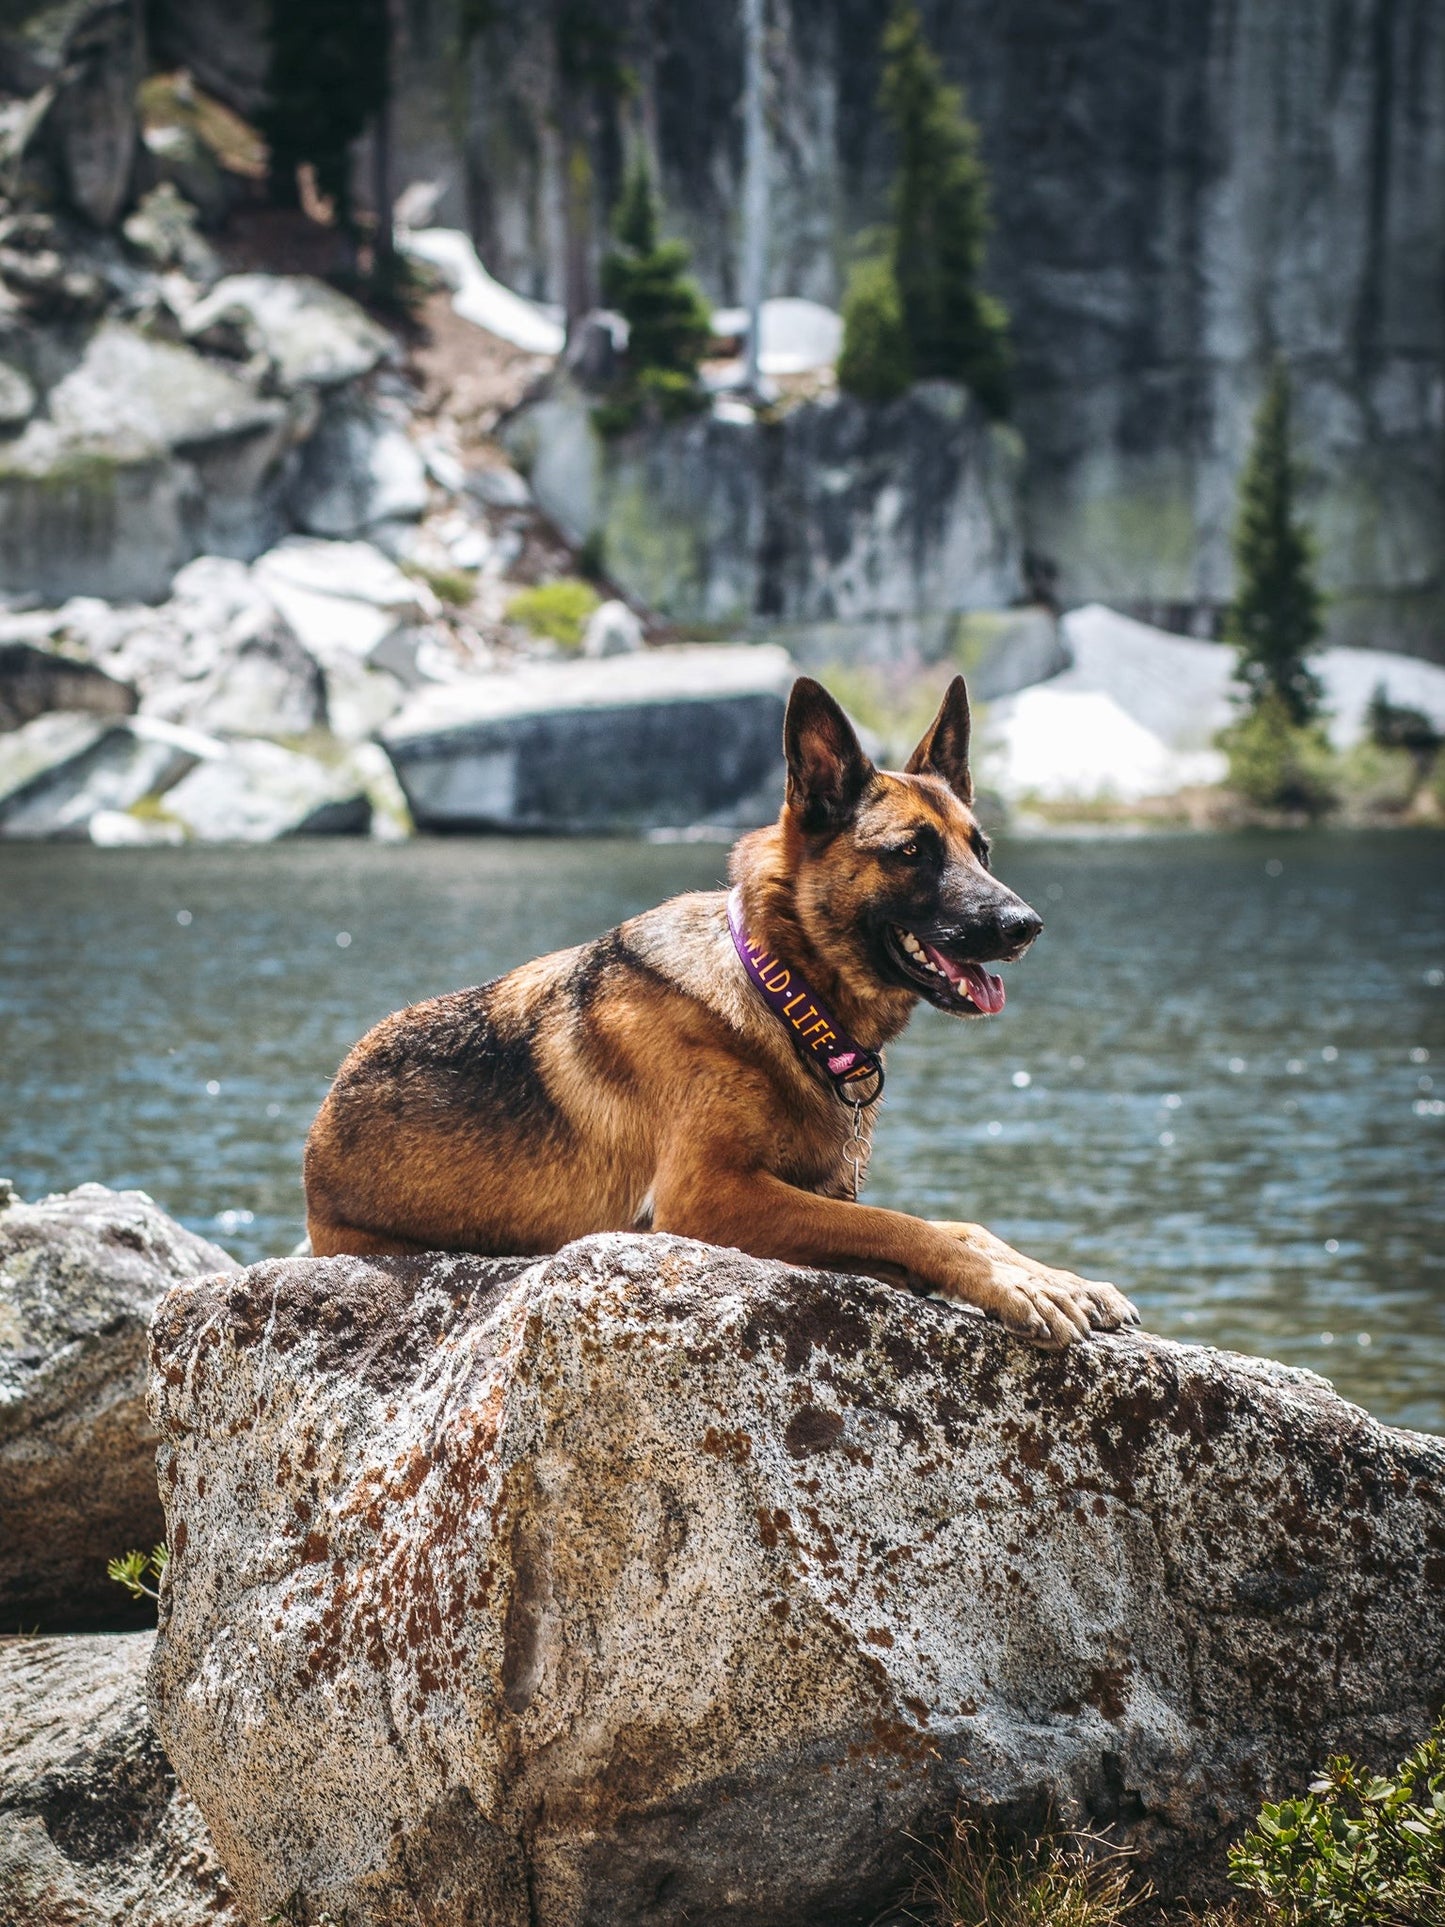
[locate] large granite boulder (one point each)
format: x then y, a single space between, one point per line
149 454
217 655
656 739
93 1829
81 62
310 334
44 752
132 762
258 791
93 121
80 1275
129 388
359 469
265 684
649 1582
341 598
91 518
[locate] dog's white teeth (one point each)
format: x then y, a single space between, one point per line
919 955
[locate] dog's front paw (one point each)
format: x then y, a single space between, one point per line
1048 1307
1107 1306
1042 1308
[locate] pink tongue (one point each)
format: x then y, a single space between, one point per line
982 985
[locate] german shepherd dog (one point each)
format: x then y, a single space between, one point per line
642 1082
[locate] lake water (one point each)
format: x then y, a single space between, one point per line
1219 1081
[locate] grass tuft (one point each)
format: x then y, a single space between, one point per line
981 1877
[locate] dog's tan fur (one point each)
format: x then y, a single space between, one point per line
639 1081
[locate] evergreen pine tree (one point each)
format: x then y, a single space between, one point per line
925 284
327 81
940 220
635 225
1275 618
646 280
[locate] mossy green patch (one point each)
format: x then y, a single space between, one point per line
556 609
152 809
454 586
88 471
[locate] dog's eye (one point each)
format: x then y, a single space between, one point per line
909 850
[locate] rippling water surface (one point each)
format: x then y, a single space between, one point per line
1219 1081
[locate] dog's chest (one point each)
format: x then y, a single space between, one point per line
826 1148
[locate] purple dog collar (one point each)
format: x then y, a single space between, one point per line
849 1068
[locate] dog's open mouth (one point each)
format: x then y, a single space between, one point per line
952 983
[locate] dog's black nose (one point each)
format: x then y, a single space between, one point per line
1019 925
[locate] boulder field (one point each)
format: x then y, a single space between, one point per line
651 1582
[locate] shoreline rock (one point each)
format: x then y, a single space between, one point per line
647 740
650 1581
93 1827
80 1275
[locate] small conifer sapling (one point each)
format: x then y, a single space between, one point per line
1274 620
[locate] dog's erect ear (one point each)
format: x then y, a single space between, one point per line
827 768
944 749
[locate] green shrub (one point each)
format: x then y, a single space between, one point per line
673 393
1278 763
979 1878
1398 726
646 280
876 363
1372 778
1357 1851
557 609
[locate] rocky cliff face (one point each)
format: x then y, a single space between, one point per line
855 529
1180 193
652 1582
